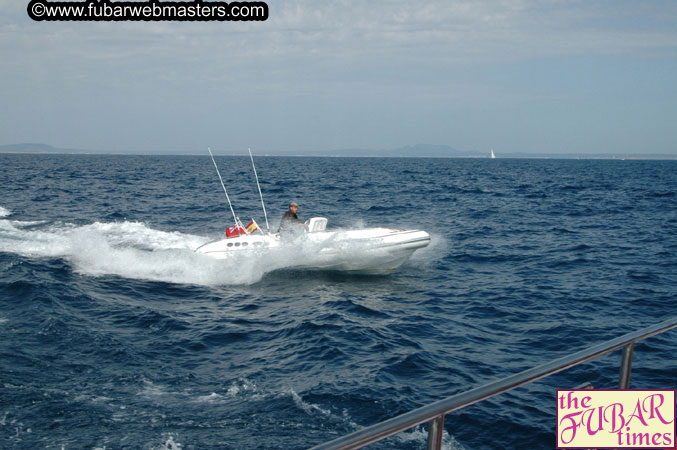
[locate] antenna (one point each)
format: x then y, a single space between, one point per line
259 186
223 186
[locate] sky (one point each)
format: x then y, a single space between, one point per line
513 75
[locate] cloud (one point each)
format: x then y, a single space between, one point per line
334 65
393 33
481 31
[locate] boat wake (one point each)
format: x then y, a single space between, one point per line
134 250
126 249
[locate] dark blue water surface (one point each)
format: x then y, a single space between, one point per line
115 334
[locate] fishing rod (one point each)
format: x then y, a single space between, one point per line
259 186
237 221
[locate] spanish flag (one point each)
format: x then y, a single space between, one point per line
252 227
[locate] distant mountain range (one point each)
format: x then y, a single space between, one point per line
39 148
418 150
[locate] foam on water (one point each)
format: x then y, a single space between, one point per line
211 398
240 386
4 212
127 249
309 408
421 435
169 444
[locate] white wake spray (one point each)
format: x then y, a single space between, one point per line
127 249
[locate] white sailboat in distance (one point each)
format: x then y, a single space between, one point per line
492 154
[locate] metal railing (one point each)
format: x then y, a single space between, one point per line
434 413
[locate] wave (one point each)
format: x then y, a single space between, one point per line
168 443
420 435
246 390
662 194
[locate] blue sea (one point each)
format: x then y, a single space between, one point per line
114 334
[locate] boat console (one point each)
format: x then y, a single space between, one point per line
316 224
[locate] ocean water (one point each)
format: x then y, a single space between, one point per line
114 334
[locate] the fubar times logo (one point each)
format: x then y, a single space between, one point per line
620 418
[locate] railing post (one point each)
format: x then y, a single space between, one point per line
626 367
435 430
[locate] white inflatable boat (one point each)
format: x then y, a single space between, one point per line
370 250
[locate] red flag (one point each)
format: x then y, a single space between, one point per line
235 231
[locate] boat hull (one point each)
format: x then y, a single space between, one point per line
372 250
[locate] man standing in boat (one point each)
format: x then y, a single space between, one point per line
290 223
